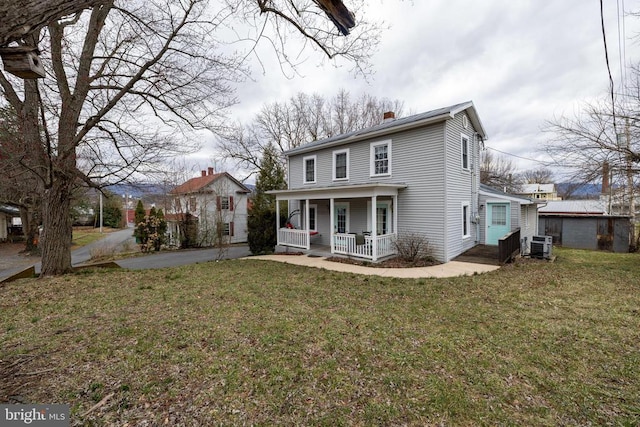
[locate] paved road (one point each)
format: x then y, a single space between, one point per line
176 258
122 238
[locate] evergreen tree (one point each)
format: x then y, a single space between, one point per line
112 211
139 218
262 216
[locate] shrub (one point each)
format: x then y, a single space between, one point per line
412 247
152 231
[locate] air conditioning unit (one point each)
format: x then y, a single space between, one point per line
541 247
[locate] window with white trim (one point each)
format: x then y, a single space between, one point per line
381 158
224 202
466 221
465 151
341 165
227 229
309 169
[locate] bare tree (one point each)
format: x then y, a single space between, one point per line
538 176
20 18
499 172
600 134
131 79
302 119
17 186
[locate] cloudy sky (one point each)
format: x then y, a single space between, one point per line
521 62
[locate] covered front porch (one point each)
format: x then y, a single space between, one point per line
355 220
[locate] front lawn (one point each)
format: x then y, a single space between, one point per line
254 342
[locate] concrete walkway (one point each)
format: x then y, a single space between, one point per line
449 269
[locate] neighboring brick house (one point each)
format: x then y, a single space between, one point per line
216 202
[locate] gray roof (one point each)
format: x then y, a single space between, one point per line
498 193
575 207
397 125
9 209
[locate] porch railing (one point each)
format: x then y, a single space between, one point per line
508 246
347 244
293 237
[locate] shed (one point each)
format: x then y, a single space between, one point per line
584 224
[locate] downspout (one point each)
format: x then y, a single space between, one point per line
475 185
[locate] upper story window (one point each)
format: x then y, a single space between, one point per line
381 158
465 151
224 203
341 165
309 169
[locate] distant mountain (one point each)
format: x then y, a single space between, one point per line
573 190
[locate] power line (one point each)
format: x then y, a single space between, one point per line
606 58
521 157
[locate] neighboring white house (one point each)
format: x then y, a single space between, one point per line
359 191
9 217
218 204
540 191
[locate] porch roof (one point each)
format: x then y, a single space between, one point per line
342 191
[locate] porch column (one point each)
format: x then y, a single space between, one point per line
277 220
395 214
331 222
374 227
306 225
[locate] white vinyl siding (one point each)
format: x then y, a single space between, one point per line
309 169
341 165
381 158
428 161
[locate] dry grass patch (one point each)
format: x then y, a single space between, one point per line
256 342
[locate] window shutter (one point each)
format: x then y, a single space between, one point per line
230 203
231 229
218 203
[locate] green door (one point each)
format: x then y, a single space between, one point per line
498 222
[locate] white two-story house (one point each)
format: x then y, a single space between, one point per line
359 191
216 202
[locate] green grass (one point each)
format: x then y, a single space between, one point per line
254 342
84 235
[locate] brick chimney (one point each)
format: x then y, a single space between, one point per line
204 173
605 178
210 171
388 116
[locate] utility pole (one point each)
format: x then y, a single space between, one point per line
630 188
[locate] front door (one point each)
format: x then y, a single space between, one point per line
498 222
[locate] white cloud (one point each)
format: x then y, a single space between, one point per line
522 63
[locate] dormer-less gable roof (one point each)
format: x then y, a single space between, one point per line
198 184
397 125
490 191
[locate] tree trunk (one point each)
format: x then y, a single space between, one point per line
56 238
30 224
21 17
